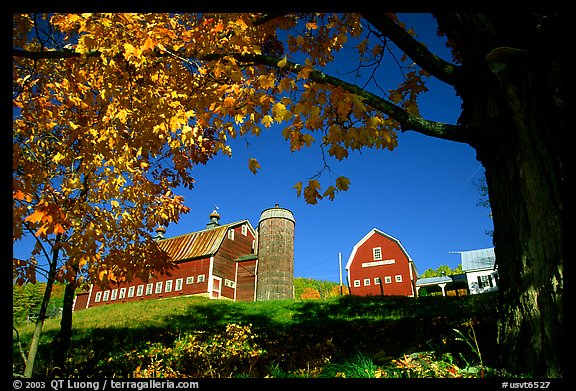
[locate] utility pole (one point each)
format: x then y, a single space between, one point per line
340 269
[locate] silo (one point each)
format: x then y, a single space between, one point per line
275 274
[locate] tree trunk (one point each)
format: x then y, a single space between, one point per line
524 174
61 342
29 369
512 101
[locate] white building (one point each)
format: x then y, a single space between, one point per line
480 269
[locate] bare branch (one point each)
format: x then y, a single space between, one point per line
442 70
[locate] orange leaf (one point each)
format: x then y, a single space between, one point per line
35 217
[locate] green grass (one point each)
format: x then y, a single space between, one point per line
308 338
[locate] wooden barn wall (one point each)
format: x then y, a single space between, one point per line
246 280
401 266
225 259
184 270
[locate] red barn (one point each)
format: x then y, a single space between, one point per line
379 265
217 262
220 261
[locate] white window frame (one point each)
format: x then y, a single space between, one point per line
398 278
131 291
178 285
366 282
140 290
168 286
388 280
158 288
201 278
98 297
244 229
149 288
376 280
106 296
189 280
122 294
377 253
229 283
356 283
231 234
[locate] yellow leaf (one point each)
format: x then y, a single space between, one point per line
253 165
58 158
282 63
342 183
114 203
298 188
330 192
267 120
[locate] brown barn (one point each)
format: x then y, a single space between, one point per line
379 265
220 261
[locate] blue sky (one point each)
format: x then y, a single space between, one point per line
422 193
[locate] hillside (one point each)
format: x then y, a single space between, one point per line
193 336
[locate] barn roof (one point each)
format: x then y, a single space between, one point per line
478 259
197 244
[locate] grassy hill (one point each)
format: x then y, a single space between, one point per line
343 336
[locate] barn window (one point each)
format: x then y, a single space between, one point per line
376 280
179 284
388 280
398 278
231 234
356 283
229 283
189 280
366 281
122 293
98 297
114 294
201 278
244 229
140 290
149 288
158 287
168 287
106 296
131 291
377 252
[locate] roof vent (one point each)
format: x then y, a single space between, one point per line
160 231
214 220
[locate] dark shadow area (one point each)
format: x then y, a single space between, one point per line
295 334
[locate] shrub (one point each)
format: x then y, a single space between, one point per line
231 353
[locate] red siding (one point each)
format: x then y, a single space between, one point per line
246 280
225 259
221 279
394 262
194 268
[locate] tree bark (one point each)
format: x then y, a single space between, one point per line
519 102
61 342
29 369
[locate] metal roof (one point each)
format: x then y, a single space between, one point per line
433 280
478 259
196 244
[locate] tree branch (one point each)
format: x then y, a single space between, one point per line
407 121
442 70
